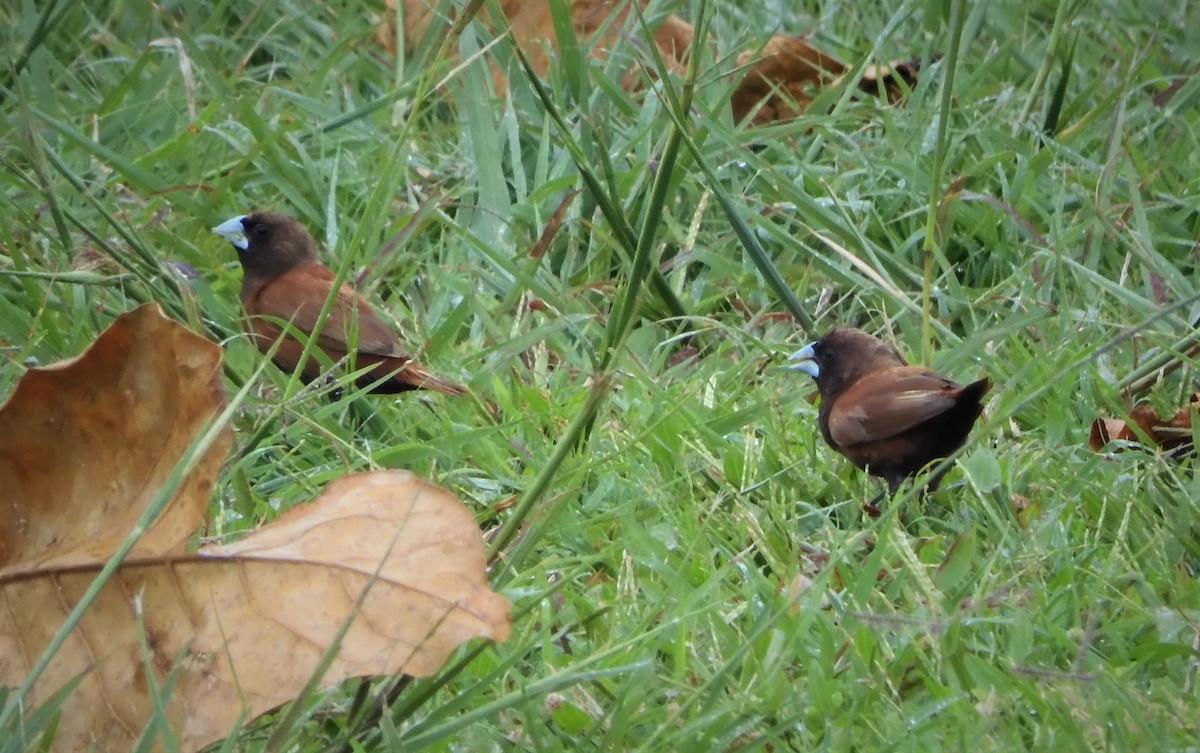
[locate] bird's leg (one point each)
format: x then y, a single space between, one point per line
872 508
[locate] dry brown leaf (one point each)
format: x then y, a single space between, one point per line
783 79
780 79
553 226
1170 434
892 81
532 29
795 588
246 624
1164 97
1021 503
86 444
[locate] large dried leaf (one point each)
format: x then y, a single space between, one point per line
86 444
235 630
245 625
1173 434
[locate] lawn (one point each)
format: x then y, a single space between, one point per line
691 566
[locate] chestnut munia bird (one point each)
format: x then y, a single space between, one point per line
887 417
283 280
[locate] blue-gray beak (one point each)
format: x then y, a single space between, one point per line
233 231
803 360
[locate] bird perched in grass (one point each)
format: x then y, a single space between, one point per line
284 281
889 418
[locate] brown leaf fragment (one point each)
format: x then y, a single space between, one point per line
795 589
688 354
782 79
90 259
1172 434
1021 503
1158 288
1164 97
244 625
949 199
554 225
1105 430
87 443
892 81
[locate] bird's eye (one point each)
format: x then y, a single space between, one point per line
260 231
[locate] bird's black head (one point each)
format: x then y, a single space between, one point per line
268 243
842 357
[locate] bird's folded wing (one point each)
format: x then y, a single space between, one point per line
888 402
298 297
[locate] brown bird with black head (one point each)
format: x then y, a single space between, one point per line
283 279
890 419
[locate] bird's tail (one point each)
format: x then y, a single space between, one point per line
976 390
418 377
